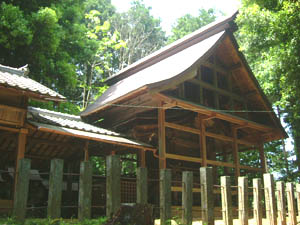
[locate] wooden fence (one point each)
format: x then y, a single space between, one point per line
279 201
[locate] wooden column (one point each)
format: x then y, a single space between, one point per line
86 151
243 200
161 137
257 201
207 196
236 153
143 158
226 200
281 202
85 190
113 184
165 196
142 185
262 158
21 189
55 188
203 143
187 197
270 198
291 203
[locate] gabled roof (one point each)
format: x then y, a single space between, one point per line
72 125
16 78
164 70
175 64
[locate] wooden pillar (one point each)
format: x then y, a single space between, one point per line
85 190
270 198
226 200
165 196
142 185
143 158
298 197
291 203
162 137
257 201
55 188
21 189
187 197
207 196
203 143
113 184
263 161
236 153
86 151
21 148
243 200
281 203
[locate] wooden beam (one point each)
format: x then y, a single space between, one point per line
161 136
86 151
182 128
184 158
220 115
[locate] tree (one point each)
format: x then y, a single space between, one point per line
269 36
58 41
141 32
188 23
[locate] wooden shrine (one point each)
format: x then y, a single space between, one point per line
197 101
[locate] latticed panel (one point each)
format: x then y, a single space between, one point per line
128 191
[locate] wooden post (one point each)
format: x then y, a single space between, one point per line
243 200
236 153
85 191
142 185
291 203
143 158
21 189
161 137
187 197
263 161
226 200
113 184
281 203
21 148
165 196
86 151
207 196
270 198
55 188
298 197
257 201
203 143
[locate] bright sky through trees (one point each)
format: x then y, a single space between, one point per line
170 10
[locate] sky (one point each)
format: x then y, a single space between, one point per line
170 10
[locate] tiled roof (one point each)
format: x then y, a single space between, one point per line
70 124
17 78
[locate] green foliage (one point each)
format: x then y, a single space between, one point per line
269 36
188 23
140 31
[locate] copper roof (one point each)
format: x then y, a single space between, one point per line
17 78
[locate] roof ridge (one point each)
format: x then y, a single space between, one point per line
53 113
175 47
22 71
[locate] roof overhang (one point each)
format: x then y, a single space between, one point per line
91 136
